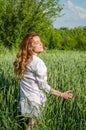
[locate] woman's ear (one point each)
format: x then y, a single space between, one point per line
30 50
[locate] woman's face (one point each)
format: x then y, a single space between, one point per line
37 45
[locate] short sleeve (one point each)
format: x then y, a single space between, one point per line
41 76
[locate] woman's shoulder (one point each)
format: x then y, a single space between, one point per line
38 59
39 63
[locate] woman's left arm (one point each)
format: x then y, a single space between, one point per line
66 94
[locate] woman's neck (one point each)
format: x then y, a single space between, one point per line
36 54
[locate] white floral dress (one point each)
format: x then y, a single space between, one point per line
33 88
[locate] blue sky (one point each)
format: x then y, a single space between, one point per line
74 14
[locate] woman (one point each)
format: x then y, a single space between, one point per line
33 73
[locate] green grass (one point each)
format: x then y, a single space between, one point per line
66 71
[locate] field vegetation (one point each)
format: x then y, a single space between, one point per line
66 71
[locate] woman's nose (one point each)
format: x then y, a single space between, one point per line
40 44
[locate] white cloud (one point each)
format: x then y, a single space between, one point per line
78 11
74 16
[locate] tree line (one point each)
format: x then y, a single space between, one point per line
19 17
68 39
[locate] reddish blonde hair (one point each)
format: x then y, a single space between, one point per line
25 53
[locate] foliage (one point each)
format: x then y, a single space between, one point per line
18 17
68 39
66 71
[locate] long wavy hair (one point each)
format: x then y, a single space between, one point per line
24 55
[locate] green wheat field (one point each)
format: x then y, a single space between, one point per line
66 71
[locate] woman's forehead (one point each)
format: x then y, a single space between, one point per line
36 38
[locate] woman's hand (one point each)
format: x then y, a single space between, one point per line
67 94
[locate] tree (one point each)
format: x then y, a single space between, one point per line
19 17
55 39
